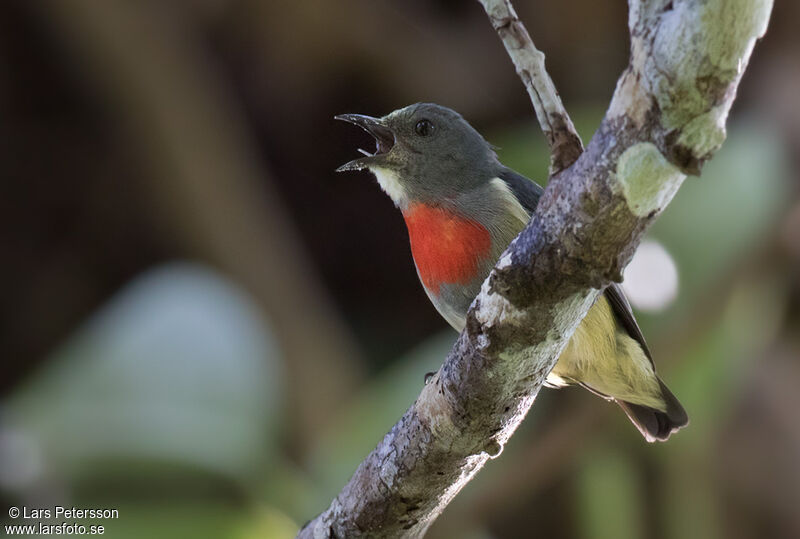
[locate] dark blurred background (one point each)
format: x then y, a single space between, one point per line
206 328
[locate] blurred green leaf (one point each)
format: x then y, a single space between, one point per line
611 501
270 523
715 220
714 368
370 415
291 489
179 367
523 147
195 520
711 376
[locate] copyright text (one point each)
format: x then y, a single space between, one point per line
57 525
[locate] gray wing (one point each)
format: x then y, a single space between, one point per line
624 314
528 192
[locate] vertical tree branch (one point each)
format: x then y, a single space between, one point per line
564 142
666 118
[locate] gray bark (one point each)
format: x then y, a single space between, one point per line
666 118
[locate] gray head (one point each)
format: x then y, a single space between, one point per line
424 152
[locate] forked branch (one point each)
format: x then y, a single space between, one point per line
666 118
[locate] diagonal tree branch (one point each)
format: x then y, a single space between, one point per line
666 118
562 138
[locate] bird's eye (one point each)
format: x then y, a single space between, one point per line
424 128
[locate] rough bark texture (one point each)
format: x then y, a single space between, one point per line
666 118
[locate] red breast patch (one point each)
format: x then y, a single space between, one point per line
447 247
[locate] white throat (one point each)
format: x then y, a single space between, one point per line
391 185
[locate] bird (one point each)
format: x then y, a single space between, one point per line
462 208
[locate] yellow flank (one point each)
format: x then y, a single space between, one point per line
604 357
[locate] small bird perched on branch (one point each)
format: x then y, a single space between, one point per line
463 208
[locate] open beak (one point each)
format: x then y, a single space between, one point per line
384 139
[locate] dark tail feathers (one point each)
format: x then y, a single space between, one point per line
656 425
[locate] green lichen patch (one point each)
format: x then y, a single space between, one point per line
647 180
